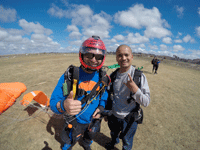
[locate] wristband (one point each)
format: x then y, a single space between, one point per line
61 108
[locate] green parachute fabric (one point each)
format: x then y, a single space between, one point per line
114 66
140 68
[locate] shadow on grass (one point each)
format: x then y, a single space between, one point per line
46 146
102 139
147 72
31 109
56 122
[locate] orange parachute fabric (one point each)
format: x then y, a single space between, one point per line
9 92
38 96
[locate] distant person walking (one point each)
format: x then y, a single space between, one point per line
155 62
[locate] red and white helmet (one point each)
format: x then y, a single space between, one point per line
92 43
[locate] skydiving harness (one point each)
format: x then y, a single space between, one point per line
71 77
136 115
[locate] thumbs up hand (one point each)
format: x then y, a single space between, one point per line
72 107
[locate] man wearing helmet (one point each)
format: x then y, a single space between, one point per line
92 57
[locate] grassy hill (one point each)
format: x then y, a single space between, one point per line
171 121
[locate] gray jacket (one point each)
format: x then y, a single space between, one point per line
121 108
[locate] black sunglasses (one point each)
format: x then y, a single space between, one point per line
97 56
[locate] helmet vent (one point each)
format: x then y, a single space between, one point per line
95 37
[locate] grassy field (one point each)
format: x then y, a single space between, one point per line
171 121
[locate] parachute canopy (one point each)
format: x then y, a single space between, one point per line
38 96
9 92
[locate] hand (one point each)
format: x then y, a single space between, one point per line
131 84
96 114
72 107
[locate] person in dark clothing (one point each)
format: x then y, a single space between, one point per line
155 62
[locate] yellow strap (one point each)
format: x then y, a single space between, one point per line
74 87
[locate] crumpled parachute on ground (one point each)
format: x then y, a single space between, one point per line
9 92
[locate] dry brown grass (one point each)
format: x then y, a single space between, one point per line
171 121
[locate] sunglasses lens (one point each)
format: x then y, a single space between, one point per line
89 55
97 56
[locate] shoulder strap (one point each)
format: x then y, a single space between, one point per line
105 79
113 77
137 80
71 77
137 77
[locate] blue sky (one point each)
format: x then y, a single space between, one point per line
160 27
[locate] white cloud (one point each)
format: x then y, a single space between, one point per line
198 10
83 16
96 31
83 10
3 35
13 40
178 41
139 17
163 47
138 48
113 40
188 38
7 15
57 12
153 47
156 32
75 35
142 50
74 31
15 31
167 40
119 37
38 37
195 53
177 48
142 45
65 2
98 25
179 34
37 28
198 30
136 38
72 28
76 43
179 10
